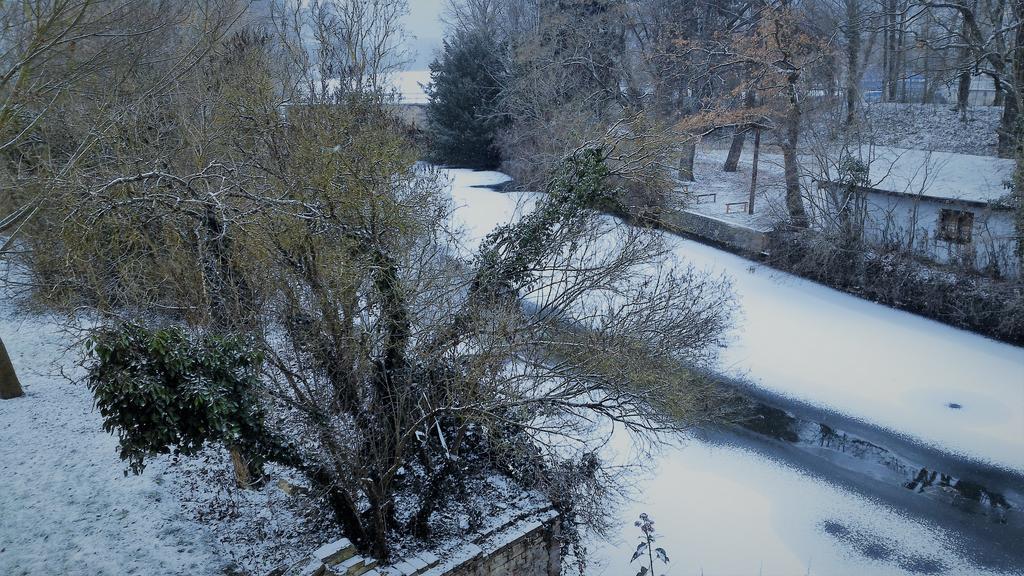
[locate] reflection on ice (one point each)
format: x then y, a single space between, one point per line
723 509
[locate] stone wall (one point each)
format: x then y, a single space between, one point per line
522 544
531 548
731 236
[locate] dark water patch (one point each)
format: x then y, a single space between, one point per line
834 529
770 421
877 551
963 489
922 565
875 547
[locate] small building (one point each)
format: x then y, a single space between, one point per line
411 108
950 208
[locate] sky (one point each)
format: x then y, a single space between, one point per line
423 22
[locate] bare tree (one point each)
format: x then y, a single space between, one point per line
985 45
782 58
249 194
343 46
853 31
46 49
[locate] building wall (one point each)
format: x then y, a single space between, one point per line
913 222
527 543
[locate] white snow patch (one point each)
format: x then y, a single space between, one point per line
66 506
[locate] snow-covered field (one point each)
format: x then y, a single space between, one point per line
933 127
65 505
941 175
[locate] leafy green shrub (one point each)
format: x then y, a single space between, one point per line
162 391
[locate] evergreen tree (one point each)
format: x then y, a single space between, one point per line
462 115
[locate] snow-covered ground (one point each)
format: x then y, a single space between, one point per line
942 175
66 506
933 127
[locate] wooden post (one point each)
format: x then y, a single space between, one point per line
753 169
247 475
9 385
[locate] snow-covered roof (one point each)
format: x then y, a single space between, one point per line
945 175
410 85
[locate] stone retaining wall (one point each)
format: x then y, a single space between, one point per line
529 548
731 236
524 544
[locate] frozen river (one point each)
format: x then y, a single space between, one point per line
725 507
729 509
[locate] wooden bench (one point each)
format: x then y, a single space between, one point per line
731 207
703 198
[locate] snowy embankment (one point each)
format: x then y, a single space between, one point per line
933 127
729 508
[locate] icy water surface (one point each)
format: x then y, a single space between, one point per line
728 510
733 507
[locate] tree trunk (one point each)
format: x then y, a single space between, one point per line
732 161
853 33
739 138
884 95
901 60
1016 95
998 95
963 88
892 58
753 170
963 93
686 161
248 474
1008 126
790 142
10 387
